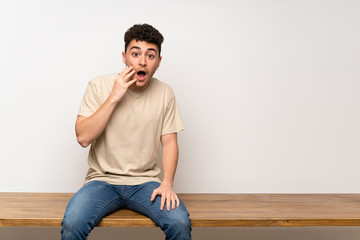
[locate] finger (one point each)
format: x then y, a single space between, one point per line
177 201
128 68
125 71
131 82
153 195
168 202
129 74
173 204
162 202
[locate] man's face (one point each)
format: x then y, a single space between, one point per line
144 58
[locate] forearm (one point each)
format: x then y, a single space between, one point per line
170 153
88 129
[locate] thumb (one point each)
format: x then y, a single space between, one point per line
154 194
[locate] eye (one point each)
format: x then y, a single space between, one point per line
135 54
151 56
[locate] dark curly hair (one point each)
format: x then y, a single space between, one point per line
143 32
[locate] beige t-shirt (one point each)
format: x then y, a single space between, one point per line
126 153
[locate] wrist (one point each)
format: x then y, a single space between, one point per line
114 99
167 183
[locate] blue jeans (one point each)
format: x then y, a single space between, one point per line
97 199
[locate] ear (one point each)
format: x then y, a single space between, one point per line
123 57
159 61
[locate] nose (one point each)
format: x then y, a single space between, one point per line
142 60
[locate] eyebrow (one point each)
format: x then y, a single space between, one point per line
149 49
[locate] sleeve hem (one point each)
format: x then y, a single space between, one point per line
84 113
172 131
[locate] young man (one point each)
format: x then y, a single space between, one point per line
125 117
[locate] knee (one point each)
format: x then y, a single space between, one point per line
74 228
178 227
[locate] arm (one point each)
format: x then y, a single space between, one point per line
90 128
170 152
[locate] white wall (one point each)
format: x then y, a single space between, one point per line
268 90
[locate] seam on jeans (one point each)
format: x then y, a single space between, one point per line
97 215
158 218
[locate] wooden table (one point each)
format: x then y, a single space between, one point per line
206 210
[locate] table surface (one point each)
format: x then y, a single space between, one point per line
206 210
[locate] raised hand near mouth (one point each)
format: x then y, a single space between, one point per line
89 128
122 82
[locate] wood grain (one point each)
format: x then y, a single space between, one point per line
206 210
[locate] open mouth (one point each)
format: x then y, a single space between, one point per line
141 75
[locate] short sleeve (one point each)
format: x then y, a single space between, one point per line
89 104
172 121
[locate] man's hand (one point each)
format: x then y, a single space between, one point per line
122 82
167 195
89 129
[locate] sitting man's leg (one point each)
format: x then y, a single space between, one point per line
87 207
175 223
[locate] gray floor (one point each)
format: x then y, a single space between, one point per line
295 233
